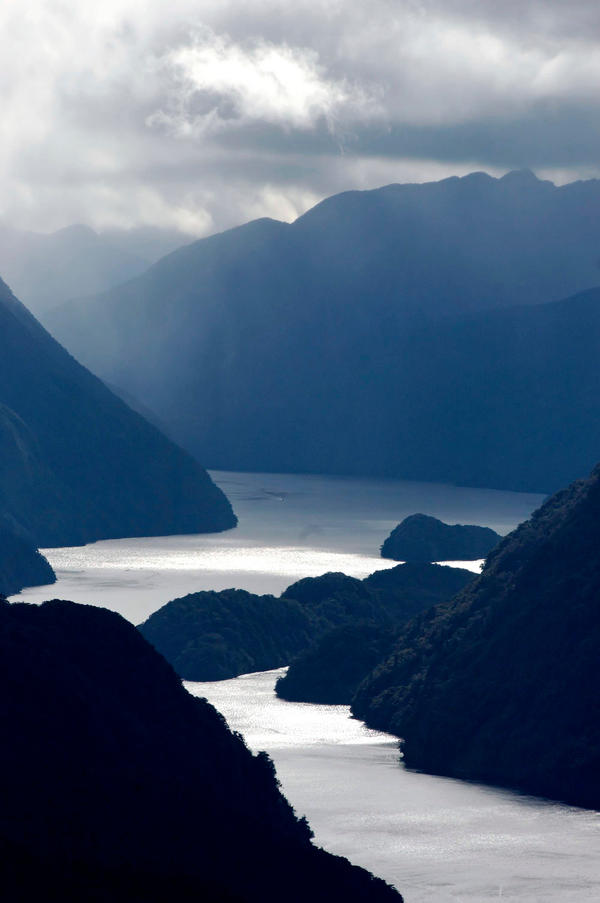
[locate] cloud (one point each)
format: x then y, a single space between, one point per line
201 114
214 82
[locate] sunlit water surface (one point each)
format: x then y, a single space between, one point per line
438 840
290 526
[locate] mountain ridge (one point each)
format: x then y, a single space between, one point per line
343 342
78 464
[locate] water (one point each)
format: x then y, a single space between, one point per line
438 840
290 526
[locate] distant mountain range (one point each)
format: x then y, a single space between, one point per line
413 331
45 269
77 464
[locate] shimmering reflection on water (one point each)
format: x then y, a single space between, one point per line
290 526
438 840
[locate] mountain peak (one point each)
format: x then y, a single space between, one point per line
520 177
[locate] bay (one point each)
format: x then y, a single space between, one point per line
290 526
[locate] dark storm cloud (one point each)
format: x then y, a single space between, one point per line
201 115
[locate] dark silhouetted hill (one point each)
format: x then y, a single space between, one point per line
373 336
120 786
77 464
330 670
501 684
21 564
405 589
218 635
423 538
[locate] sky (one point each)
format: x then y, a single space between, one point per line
203 115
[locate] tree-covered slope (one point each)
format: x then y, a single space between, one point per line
501 684
330 670
362 338
77 464
338 659
117 785
217 635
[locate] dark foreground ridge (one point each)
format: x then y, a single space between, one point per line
76 464
421 537
21 564
501 684
217 635
120 786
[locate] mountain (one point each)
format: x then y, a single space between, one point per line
501 684
216 635
348 341
149 243
47 269
120 787
331 668
423 538
21 564
77 464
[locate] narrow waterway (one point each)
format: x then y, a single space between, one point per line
437 839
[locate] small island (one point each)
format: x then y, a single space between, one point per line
421 537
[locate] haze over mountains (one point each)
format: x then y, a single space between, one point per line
44 269
77 464
414 331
